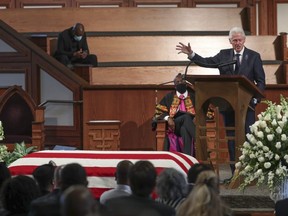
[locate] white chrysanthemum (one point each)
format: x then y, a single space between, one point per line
274 122
279 130
277 157
278 145
259 144
238 165
252 156
278 109
283 137
281 124
267 165
268 155
242 157
248 168
246 144
279 171
260 134
259 116
267 130
262 124
267 117
265 148
270 137
259 172
261 159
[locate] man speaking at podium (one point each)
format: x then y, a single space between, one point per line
244 62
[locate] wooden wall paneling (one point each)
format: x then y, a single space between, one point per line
45 3
177 3
8 4
100 3
272 93
164 47
284 44
267 17
272 20
239 3
157 75
164 20
134 107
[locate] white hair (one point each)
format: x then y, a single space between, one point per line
236 30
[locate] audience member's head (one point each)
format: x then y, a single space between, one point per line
142 177
122 172
17 194
204 196
78 29
73 174
44 177
77 200
194 172
4 173
171 184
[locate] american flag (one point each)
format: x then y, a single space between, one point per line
100 166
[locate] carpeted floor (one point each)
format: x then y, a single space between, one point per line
248 202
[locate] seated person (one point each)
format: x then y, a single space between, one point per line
171 187
122 187
142 178
177 108
205 198
72 47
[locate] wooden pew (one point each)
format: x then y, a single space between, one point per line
157 75
133 49
128 20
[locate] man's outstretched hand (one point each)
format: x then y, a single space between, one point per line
182 48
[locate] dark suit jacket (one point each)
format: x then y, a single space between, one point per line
251 65
281 208
137 206
48 205
65 44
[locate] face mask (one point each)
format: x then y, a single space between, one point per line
181 88
77 38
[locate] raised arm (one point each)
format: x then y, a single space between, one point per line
186 49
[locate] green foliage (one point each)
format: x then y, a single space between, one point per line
20 150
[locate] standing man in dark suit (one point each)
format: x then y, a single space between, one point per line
248 64
72 47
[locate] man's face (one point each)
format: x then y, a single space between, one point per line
179 80
79 31
237 42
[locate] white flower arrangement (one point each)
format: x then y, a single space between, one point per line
264 158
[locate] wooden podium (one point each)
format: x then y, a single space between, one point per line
236 90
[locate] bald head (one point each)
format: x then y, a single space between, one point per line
78 29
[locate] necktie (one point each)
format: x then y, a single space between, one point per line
237 63
182 103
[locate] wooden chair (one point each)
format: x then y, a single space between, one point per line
21 118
